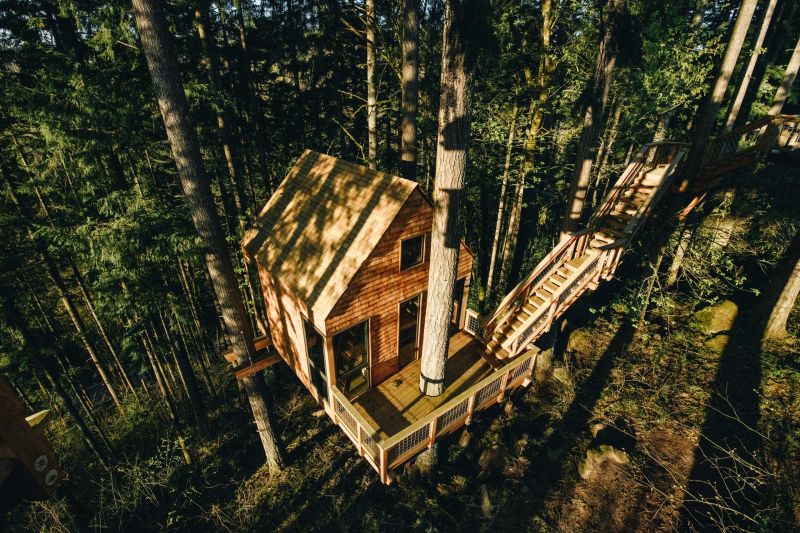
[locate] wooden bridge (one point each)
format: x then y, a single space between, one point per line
393 422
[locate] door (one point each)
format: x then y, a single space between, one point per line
458 296
408 331
351 357
316 361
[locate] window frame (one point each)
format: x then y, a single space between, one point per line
335 372
424 236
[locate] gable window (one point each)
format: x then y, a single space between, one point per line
412 252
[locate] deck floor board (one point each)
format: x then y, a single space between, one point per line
397 403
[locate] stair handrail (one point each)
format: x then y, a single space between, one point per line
550 306
577 241
788 122
677 153
621 185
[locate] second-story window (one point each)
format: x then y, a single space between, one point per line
412 252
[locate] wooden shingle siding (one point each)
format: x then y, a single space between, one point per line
378 288
285 318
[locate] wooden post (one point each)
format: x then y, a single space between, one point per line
503 385
360 445
432 437
384 465
470 409
330 370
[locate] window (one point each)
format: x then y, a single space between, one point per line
412 252
316 359
351 357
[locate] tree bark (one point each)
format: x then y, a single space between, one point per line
704 123
451 167
540 87
597 93
163 65
501 207
32 341
786 83
751 65
372 93
410 103
661 126
780 297
63 294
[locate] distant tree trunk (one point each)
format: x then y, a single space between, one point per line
786 83
597 94
161 379
703 125
778 34
751 65
661 126
63 294
684 241
372 93
780 297
539 86
451 167
32 341
254 114
501 207
608 149
408 137
232 162
163 65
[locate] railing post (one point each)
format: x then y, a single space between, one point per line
384 464
432 430
503 385
470 409
358 438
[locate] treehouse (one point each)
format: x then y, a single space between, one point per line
342 254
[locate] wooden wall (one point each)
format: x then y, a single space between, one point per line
378 288
285 318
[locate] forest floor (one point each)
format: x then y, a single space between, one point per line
645 392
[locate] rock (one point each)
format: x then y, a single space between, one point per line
560 373
542 365
581 341
465 439
508 408
597 428
427 460
318 413
493 460
717 318
486 504
595 457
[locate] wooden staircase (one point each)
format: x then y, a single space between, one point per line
577 264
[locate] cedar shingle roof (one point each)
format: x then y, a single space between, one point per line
321 225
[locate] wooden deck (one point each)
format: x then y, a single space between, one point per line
397 403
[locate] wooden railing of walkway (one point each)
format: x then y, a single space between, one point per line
385 454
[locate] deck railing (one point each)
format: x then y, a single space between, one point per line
384 454
756 138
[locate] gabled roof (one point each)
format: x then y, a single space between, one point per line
321 225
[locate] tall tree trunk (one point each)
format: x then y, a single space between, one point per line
779 299
661 127
786 83
751 65
408 137
163 65
597 92
539 86
161 379
451 168
608 149
63 294
501 206
187 376
232 162
372 93
780 32
32 341
703 125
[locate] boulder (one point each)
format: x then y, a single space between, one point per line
595 457
717 318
